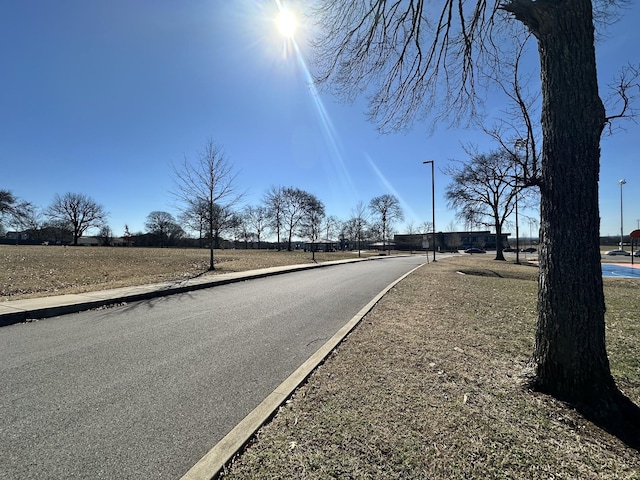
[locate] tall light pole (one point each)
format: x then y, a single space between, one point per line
517 231
621 182
520 144
433 206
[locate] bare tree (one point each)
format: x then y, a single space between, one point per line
410 228
15 212
163 225
209 182
296 206
425 58
223 219
484 187
387 209
242 230
194 218
79 211
274 202
257 220
106 236
57 231
360 220
426 227
330 227
31 221
126 236
311 225
374 231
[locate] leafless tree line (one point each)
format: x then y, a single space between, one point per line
209 203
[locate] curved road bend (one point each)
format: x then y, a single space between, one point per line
145 390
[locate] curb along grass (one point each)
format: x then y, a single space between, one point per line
214 461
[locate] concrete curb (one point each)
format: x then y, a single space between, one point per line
210 466
17 311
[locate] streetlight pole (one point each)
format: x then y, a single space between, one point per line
433 206
521 143
517 231
621 182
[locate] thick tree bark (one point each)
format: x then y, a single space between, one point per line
570 359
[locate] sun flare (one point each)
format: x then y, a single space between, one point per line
287 23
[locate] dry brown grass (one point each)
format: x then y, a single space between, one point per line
35 271
428 386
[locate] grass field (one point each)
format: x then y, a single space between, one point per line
35 271
429 386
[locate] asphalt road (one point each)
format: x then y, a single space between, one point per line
145 390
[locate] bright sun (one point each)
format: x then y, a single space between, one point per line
287 23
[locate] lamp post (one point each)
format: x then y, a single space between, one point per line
433 206
621 182
520 144
517 231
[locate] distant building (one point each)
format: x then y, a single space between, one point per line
17 235
450 241
321 245
89 242
102 242
383 245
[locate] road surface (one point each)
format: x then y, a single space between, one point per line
144 390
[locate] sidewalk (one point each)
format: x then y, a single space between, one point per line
16 311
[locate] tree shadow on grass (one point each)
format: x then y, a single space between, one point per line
617 415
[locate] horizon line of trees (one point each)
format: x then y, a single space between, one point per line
288 215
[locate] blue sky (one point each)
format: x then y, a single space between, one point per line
102 97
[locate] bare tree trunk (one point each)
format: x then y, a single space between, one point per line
570 359
499 250
572 121
211 239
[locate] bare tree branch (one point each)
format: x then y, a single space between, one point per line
428 61
625 93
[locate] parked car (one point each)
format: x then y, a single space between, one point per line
474 250
618 252
528 250
636 253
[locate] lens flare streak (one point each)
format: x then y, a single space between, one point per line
328 130
405 206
